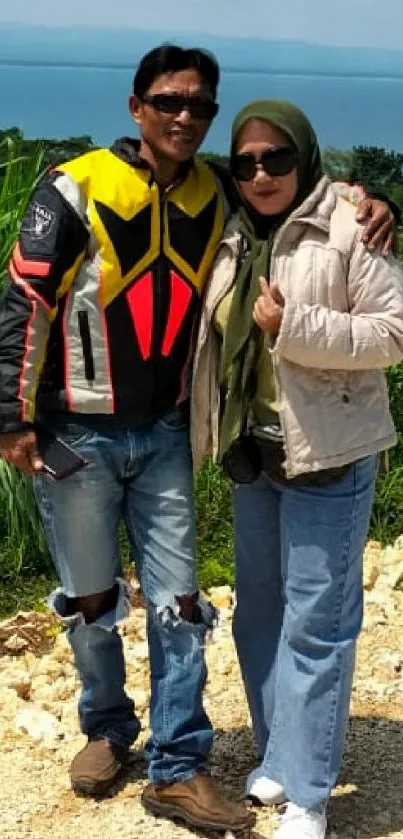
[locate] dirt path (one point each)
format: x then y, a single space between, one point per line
38 728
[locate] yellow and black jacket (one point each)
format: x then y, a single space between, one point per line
105 283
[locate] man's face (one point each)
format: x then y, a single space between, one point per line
173 136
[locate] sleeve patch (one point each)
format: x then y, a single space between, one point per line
39 221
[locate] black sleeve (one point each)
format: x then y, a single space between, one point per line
52 237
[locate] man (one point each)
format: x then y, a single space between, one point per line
95 342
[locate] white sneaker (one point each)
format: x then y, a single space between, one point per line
300 823
266 791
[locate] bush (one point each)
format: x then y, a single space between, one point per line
214 527
387 513
22 545
18 175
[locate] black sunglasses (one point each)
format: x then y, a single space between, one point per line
275 162
174 103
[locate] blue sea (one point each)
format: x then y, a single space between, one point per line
61 102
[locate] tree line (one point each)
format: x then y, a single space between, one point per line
377 168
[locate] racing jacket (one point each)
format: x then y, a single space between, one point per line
105 282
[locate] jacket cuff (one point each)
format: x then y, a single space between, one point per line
10 423
351 193
278 344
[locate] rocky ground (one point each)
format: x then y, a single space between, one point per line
39 732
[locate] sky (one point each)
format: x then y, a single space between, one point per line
368 23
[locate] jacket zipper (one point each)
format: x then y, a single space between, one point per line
277 379
157 294
159 273
88 355
159 277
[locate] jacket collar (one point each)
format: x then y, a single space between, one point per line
128 150
231 234
318 207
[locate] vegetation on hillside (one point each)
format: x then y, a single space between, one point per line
25 568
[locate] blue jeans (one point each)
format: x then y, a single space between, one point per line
299 612
145 479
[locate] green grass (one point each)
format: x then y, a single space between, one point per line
25 594
18 175
214 527
387 513
23 554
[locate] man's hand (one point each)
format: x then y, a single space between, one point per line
269 307
380 226
20 449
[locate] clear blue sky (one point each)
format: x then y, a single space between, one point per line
344 22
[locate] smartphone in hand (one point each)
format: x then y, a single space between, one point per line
59 459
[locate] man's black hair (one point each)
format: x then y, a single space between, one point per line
170 58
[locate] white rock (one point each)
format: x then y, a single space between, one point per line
51 667
134 627
40 681
371 569
10 702
32 663
221 596
141 698
41 726
391 558
50 695
62 651
137 651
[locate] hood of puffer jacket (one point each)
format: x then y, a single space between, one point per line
316 210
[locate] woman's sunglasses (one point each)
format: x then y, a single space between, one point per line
173 103
275 162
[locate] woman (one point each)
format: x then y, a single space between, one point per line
299 320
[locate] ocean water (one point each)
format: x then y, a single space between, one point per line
62 102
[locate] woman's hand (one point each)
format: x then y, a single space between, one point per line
269 307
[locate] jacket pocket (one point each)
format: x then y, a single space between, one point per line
341 385
175 419
85 335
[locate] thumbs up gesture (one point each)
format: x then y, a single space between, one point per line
269 307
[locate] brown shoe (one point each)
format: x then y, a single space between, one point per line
96 767
198 803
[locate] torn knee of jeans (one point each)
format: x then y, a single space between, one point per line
63 607
190 608
95 606
104 609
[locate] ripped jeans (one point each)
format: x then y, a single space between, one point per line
143 478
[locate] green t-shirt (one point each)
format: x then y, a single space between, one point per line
264 406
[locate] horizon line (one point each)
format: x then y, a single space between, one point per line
189 33
254 71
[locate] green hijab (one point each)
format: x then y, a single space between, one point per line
291 121
243 341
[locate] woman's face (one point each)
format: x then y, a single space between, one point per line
268 194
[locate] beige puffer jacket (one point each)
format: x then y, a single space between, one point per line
342 325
